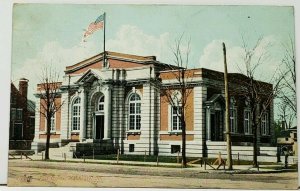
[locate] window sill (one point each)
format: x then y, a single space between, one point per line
51 133
75 132
133 132
175 132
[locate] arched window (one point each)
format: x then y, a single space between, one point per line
76 114
101 104
134 112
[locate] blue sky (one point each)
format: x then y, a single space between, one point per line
52 34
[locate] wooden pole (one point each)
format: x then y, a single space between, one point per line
157 160
42 155
83 158
227 114
65 157
145 156
104 27
178 157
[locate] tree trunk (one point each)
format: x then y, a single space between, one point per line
255 163
255 122
48 138
183 144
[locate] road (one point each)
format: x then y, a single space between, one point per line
38 173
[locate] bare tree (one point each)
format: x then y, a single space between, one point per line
177 95
286 114
259 95
287 96
49 105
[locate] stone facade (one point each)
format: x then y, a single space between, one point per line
122 106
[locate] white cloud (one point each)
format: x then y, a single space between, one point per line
132 40
212 57
52 54
129 39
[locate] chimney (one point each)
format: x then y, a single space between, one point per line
23 87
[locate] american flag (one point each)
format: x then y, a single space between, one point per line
94 26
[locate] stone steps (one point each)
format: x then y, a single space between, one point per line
60 151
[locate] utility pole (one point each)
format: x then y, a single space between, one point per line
227 122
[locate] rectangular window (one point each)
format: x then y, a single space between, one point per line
175 148
176 122
247 127
13 114
233 120
131 148
19 114
264 124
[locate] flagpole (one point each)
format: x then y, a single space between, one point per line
104 53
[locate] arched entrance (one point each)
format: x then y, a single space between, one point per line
98 101
215 108
99 119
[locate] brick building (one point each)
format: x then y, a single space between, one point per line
120 105
21 117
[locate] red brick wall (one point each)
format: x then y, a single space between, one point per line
189 113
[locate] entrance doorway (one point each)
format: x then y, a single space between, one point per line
99 126
217 126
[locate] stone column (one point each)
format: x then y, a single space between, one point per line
34 144
208 128
82 135
107 113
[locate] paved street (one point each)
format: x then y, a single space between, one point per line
38 173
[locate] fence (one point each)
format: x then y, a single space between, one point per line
266 154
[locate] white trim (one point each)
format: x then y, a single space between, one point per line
173 132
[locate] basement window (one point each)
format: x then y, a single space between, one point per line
131 148
175 148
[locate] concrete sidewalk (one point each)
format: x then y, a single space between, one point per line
193 167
